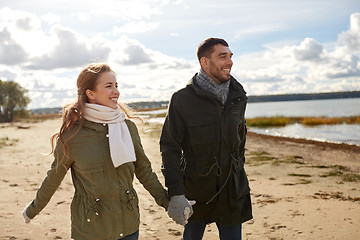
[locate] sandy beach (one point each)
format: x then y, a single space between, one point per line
300 189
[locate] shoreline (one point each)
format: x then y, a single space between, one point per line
323 144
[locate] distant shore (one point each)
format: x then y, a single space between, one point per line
148 105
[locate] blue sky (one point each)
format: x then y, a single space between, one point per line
293 46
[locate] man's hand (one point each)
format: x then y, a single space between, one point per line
180 209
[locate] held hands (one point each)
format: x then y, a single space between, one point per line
26 218
180 209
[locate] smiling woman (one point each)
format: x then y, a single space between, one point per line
102 147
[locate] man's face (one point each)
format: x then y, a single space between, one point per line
219 64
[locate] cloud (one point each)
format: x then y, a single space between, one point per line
135 27
136 55
149 44
50 18
308 66
22 35
309 49
10 51
7 75
24 24
351 38
70 51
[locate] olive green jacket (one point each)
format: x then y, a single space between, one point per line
105 204
203 153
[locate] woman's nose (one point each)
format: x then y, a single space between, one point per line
116 90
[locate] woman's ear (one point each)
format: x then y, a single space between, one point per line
90 94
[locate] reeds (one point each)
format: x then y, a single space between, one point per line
280 121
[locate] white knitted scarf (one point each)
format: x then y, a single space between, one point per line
121 145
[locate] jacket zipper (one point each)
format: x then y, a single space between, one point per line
114 233
222 108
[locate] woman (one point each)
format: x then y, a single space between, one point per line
103 150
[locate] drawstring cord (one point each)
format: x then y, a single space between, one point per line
235 162
218 172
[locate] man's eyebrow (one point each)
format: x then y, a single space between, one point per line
225 53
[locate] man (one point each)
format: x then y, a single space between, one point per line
203 145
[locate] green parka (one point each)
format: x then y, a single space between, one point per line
203 147
105 204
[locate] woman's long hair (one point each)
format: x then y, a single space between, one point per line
73 113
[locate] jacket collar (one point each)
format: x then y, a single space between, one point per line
98 127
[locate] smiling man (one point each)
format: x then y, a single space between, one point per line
203 148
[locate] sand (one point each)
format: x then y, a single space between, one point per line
300 189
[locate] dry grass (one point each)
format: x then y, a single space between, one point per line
280 121
5 141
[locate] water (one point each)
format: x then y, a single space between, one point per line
309 108
340 133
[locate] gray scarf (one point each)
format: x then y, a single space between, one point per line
220 91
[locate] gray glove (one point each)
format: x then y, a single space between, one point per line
26 218
180 209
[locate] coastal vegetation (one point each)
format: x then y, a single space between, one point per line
281 121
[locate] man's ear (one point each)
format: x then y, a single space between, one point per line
90 94
204 62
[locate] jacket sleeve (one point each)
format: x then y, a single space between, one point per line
242 134
144 172
51 182
171 149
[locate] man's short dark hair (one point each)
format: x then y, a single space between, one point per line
207 47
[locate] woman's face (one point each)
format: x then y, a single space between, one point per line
106 91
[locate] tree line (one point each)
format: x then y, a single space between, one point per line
12 99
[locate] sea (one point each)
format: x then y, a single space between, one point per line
338 133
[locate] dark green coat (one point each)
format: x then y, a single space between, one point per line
203 145
105 204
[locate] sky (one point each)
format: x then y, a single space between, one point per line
279 46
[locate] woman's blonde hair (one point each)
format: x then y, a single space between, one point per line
73 113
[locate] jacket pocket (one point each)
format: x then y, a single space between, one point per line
201 140
93 219
130 208
132 200
240 181
201 130
92 179
197 187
